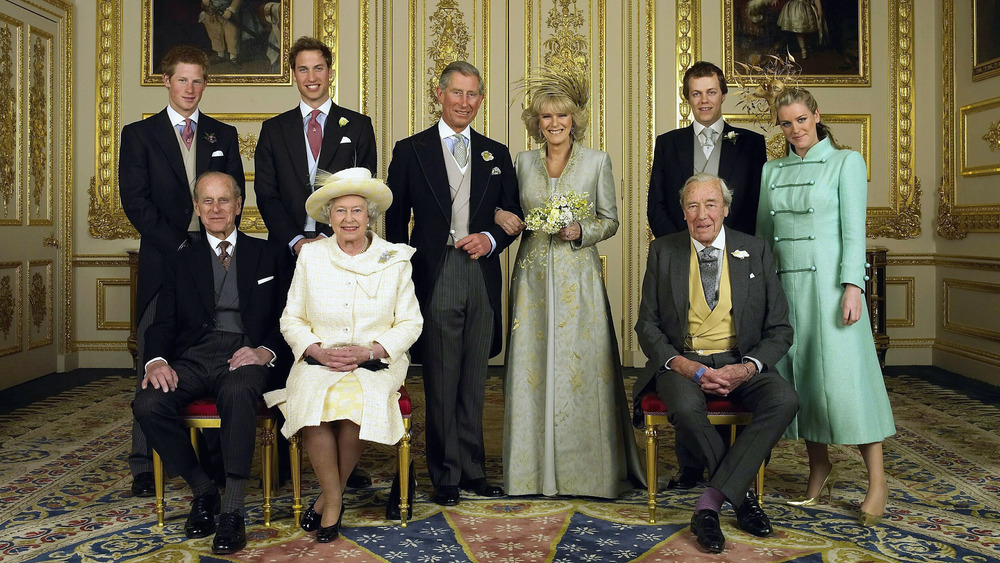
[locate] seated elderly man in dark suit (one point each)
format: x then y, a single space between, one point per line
713 320
215 334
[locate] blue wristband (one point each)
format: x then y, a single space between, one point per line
699 373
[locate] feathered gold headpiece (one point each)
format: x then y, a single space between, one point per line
772 78
569 83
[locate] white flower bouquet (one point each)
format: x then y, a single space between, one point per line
560 210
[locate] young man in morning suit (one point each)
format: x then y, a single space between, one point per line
713 320
708 145
315 135
453 180
215 334
160 158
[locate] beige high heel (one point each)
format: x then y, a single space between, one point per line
869 520
828 483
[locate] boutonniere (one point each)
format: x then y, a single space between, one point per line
343 121
487 156
731 136
210 137
386 256
495 171
741 254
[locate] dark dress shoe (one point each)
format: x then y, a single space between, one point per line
392 503
310 520
482 487
358 479
326 534
201 521
143 486
231 535
687 478
751 518
705 525
446 495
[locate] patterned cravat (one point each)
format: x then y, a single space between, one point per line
458 149
314 132
709 266
708 137
187 134
224 257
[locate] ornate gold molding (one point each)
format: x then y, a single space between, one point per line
325 27
908 283
451 40
106 217
102 303
954 220
41 293
10 307
40 140
688 50
992 137
901 219
10 119
566 48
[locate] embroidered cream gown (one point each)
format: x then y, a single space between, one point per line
566 422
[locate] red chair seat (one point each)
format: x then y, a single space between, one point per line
652 404
206 408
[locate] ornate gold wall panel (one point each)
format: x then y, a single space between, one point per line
41 153
41 312
990 135
990 302
688 50
11 313
11 56
909 301
102 304
450 42
954 219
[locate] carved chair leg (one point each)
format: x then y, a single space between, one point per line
403 458
651 454
295 461
158 487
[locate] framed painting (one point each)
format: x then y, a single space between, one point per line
829 39
246 41
985 39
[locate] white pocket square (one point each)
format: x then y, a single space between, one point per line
345 140
217 153
751 275
264 280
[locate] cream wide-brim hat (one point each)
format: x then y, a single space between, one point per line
352 181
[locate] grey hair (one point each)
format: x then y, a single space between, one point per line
461 67
206 176
705 177
373 212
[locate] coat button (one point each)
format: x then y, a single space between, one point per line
812 237
813 269
812 182
772 213
204 325
867 278
776 239
867 265
811 210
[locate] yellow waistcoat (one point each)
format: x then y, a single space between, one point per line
709 331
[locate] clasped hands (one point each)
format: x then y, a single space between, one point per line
716 381
161 376
344 358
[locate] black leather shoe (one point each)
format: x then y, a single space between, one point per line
482 487
201 520
392 503
326 534
231 535
751 518
687 478
446 496
310 520
142 485
705 525
358 479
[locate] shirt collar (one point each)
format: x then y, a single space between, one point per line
306 109
214 242
718 127
445 131
719 242
178 119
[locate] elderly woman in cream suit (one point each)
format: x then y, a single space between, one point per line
566 423
350 319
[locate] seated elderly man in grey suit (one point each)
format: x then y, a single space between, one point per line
713 320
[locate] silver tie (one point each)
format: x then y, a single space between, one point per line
708 138
458 149
709 266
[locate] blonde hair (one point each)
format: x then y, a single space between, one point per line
559 104
795 95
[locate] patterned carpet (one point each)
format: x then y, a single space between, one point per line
64 483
